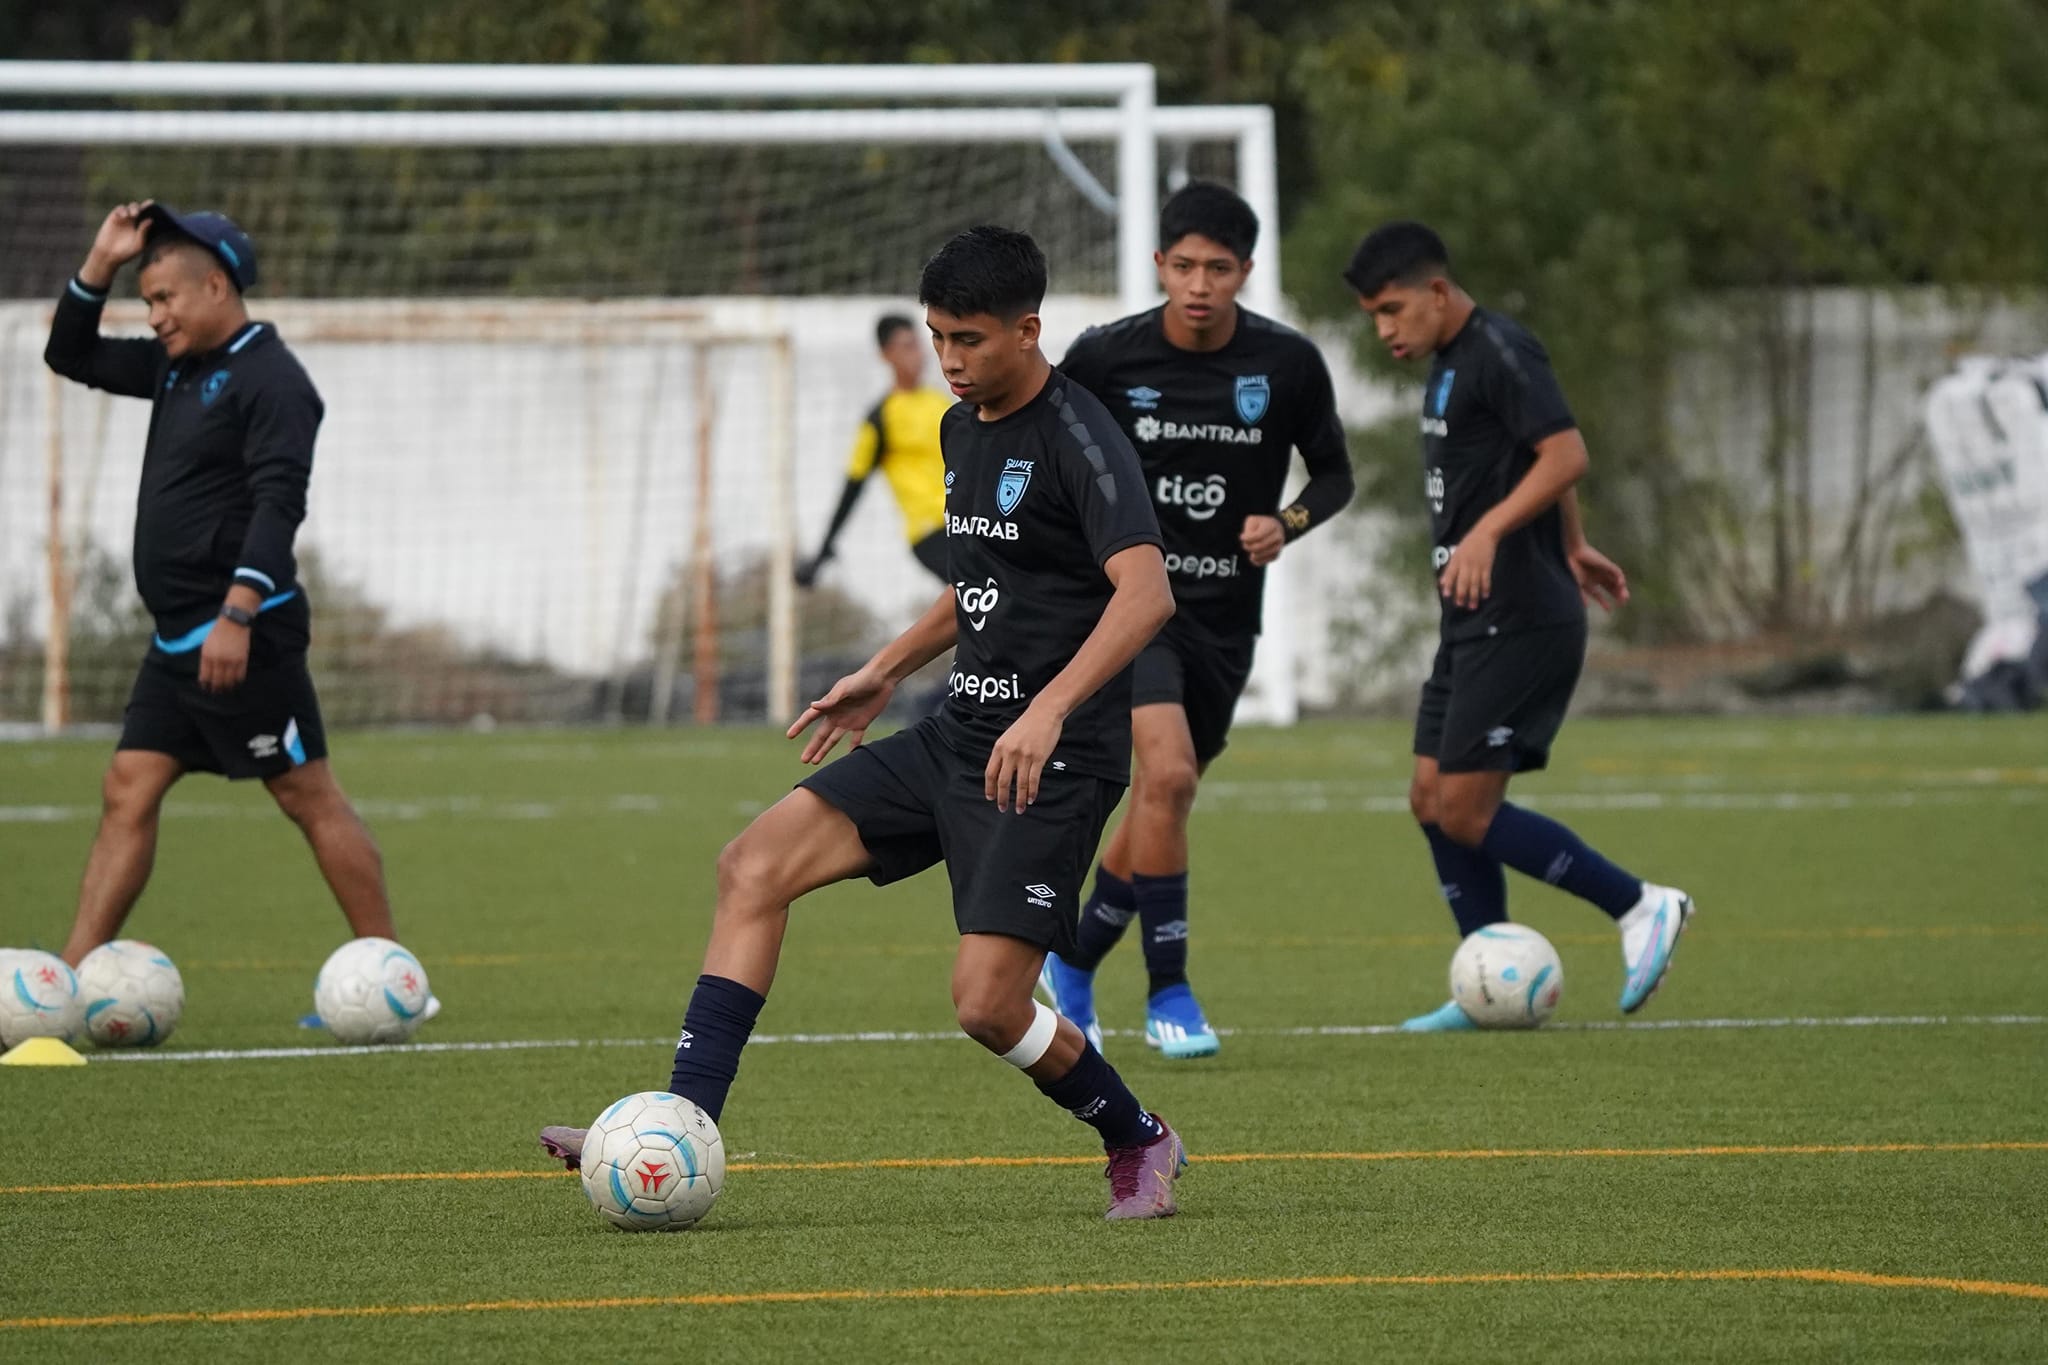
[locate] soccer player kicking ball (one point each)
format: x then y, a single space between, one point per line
1060 581
1215 399
1500 455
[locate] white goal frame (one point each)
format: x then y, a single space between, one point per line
1052 104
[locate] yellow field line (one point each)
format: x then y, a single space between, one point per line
954 1163
1858 1278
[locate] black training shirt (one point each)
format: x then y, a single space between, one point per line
224 471
1036 503
1491 397
1215 431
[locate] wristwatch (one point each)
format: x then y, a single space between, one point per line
241 616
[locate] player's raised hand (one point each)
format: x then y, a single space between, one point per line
852 705
1019 758
1263 539
1468 579
120 240
1600 579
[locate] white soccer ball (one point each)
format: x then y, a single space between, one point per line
38 997
1506 976
132 994
653 1162
371 991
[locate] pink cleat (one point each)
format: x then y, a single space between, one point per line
564 1145
1141 1178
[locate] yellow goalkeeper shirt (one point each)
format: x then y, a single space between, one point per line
901 434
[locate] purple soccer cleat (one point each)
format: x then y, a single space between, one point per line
1141 1178
564 1145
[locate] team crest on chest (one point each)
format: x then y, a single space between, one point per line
1010 485
210 390
1253 393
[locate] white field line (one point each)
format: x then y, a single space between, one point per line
1290 798
953 1035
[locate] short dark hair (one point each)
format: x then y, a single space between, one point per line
1403 252
1207 209
888 326
985 270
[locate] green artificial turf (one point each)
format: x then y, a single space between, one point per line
558 888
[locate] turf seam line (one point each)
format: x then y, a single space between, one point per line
950 1163
1855 1278
140 1055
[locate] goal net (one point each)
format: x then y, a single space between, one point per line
591 375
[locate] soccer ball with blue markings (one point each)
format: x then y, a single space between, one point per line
132 992
1506 976
38 997
653 1162
371 990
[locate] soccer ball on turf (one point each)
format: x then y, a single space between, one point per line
38 997
371 991
1506 976
653 1162
132 993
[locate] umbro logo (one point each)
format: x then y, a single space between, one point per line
1144 397
263 746
1499 735
1040 895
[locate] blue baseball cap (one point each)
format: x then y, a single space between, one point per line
217 233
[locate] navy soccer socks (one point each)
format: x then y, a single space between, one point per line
1163 913
1093 1093
1538 846
1109 911
715 1027
1473 884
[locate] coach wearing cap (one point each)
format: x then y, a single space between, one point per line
223 687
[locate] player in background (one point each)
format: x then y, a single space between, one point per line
223 686
1501 453
1215 398
1011 783
899 436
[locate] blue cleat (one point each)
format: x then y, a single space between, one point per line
1649 936
1071 992
1449 1019
1174 1024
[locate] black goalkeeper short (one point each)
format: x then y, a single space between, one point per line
1202 674
917 803
264 728
1495 704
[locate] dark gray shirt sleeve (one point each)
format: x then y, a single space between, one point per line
1100 475
1321 442
1522 390
278 460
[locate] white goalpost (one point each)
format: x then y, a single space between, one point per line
590 372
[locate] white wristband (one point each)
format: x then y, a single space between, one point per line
1037 1040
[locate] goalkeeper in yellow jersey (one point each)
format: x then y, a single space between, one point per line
900 437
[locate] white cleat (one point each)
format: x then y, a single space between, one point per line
1649 937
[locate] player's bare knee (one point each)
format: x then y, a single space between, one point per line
1422 802
1170 788
1464 818
749 873
301 803
995 1024
128 797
